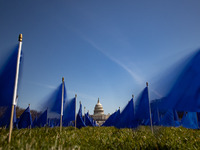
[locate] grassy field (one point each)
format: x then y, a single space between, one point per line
101 138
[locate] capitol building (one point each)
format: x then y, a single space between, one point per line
99 115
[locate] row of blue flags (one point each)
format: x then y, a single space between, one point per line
54 106
7 84
41 121
25 120
86 121
184 96
132 116
145 112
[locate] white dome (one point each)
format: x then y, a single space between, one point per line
98 110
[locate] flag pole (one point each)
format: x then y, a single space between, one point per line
61 113
84 114
47 123
133 101
30 112
75 109
15 87
147 84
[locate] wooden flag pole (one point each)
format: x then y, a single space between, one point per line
11 123
75 109
149 109
61 113
84 114
30 112
15 87
47 122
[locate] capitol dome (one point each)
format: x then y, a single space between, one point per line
98 110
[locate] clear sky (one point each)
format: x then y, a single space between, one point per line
106 49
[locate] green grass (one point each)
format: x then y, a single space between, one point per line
101 138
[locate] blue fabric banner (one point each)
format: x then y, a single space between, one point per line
112 120
7 79
55 99
126 118
155 112
168 119
25 120
42 119
79 119
184 94
69 112
142 110
189 120
88 120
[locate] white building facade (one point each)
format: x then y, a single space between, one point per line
99 115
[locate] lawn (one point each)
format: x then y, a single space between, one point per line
101 138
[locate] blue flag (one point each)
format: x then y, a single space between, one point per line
69 112
7 83
53 122
95 124
42 119
79 119
25 120
5 116
185 94
168 119
54 101
88 120
112 120
176 119
7 79
189 120
155 112
142 110
126 118
155 117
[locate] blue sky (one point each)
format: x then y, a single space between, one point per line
105 49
